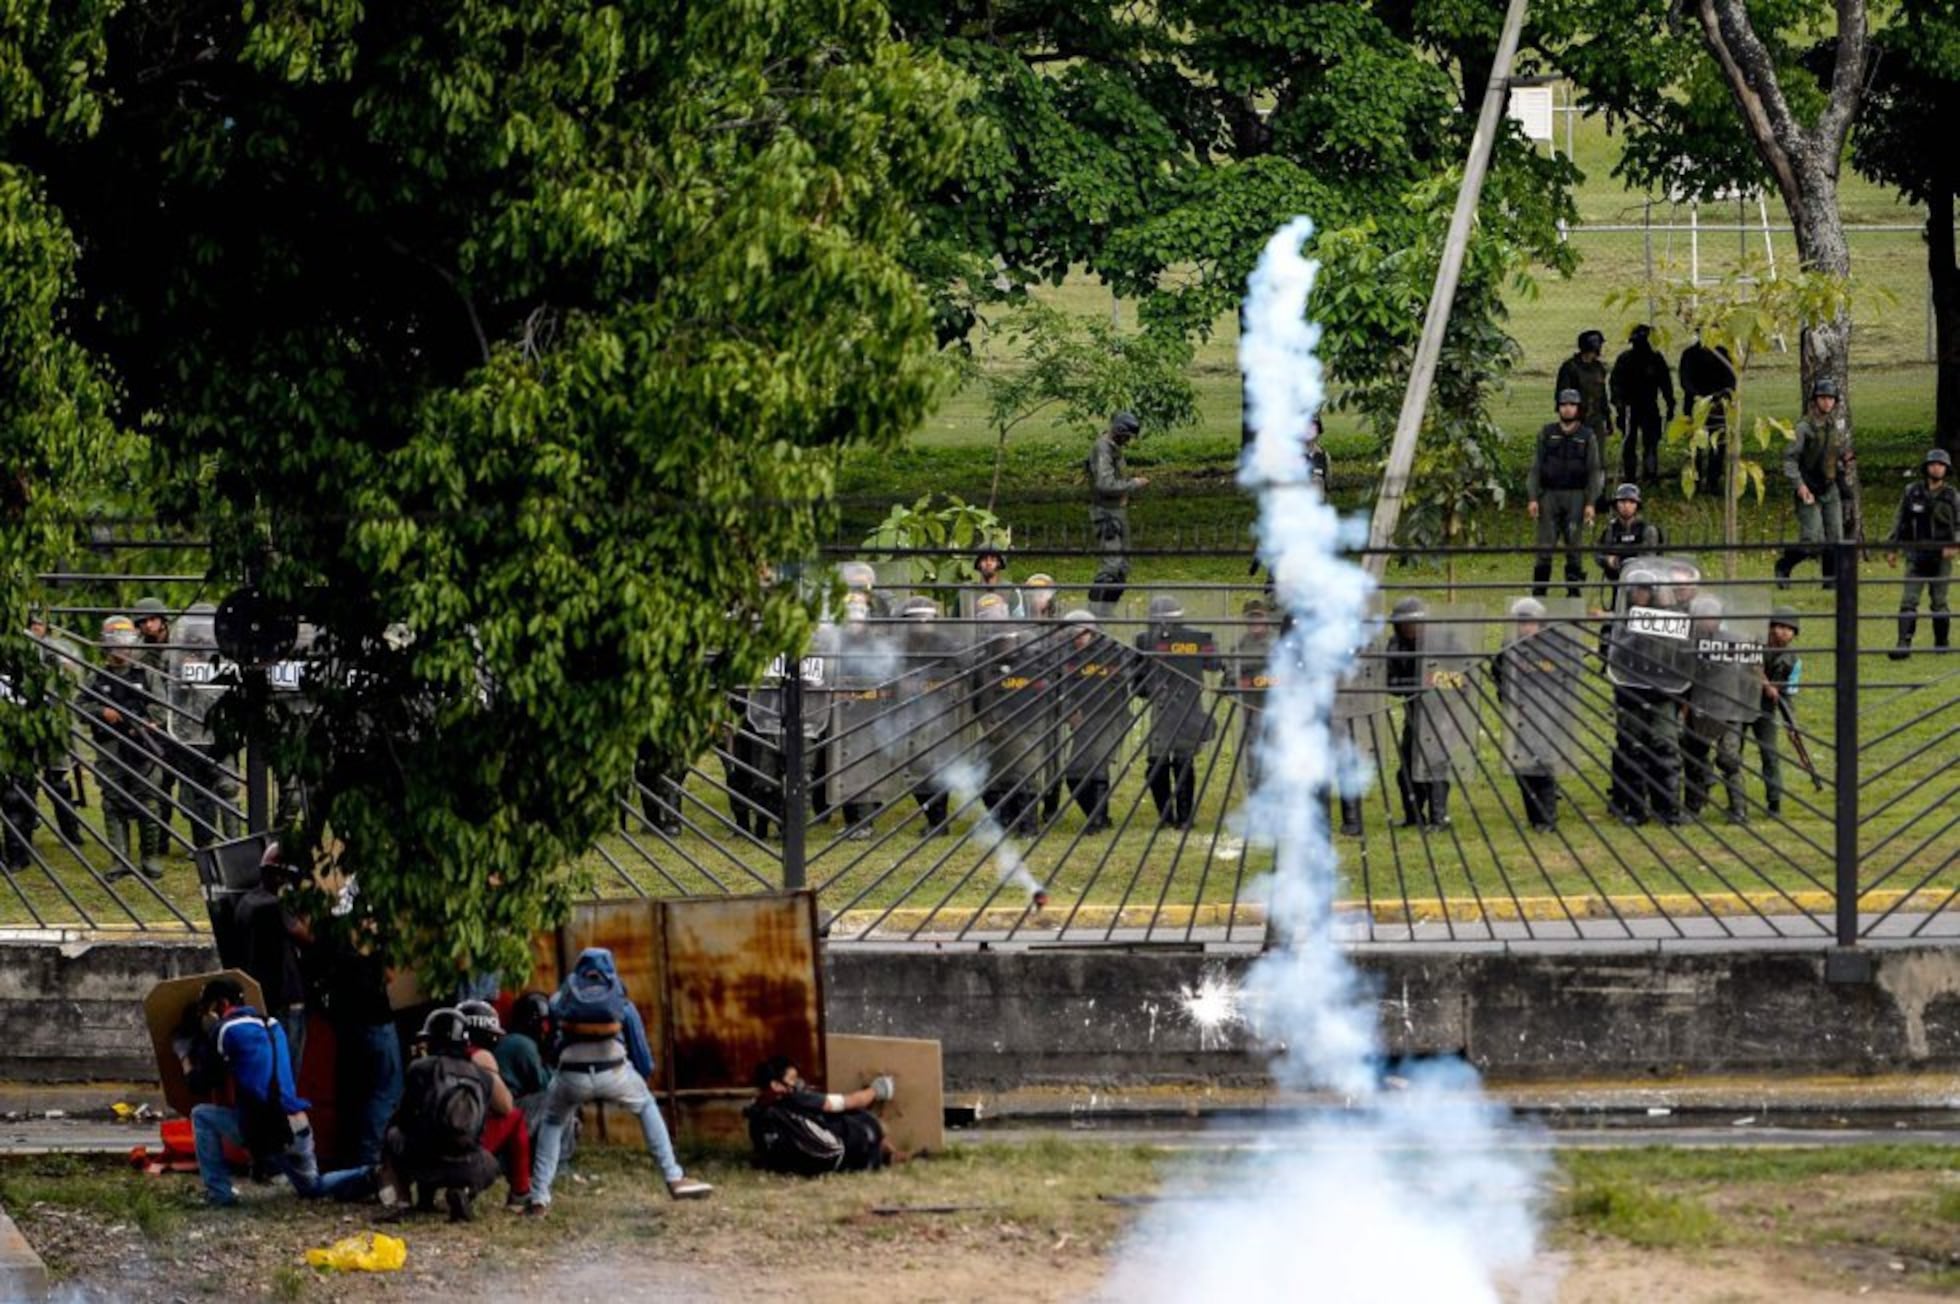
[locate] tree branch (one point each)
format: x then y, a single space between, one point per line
1847 80
1751 75
449 278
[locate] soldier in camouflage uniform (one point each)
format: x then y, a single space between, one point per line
1585 371
1110 487
1566 476
1928 528
1813 463
1782 671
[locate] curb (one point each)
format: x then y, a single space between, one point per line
22 1274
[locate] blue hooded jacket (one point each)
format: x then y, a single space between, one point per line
594 961
254 1049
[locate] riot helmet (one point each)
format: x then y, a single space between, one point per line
1591 341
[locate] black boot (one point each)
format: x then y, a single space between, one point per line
1439 804
1942 627
1907 626
1783 566
1351 817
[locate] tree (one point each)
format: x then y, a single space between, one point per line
513 345
1913 101
1662 69
1082 369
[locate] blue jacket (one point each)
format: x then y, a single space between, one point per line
597 959
254 1049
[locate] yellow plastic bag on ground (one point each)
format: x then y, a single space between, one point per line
368 1252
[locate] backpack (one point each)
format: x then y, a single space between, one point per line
789 1140
263 1123
592 1007
453 1107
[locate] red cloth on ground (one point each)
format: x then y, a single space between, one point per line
507 1137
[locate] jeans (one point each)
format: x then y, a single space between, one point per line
574 1088
381 1057
213 1125
292 1021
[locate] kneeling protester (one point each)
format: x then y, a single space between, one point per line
799 1130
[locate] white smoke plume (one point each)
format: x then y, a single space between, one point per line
1406 1194
965 781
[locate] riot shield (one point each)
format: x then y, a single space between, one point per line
1538 687
765 701
1360 718
199 676
1650 646
1175 659
1441 724
1728 627
863 675
932 714
1096 701
1008 686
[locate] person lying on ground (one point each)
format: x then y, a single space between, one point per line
797 1129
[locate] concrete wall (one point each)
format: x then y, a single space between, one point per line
72 1012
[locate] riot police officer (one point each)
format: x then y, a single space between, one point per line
1565 477
1585 372
1813 463
121 716
1928 528
1725 697
1782 672
1098 710
1170 678
1110 487
1627 534
63 779
1425 802
1248 676
18 813
198 677
1640 384
1650 662
1536 687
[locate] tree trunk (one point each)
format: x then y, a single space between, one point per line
1805 161
1944 274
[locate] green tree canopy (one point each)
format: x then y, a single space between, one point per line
511 344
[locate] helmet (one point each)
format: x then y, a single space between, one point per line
445 1029
1787 616
1527 609
1038 581
119 631
1571 396
857 574
529 1013
1409 609
1938 457
1640 332
480 1018
989 550
991 606
1705 606
919 609
1164 607
150 607
1824 387
1080 617
1124 423
1255 607
1627 493
1591 341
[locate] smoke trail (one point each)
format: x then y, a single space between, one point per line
966 782
1406 1195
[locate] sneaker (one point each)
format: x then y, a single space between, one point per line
687 1188
392 1213
460 1204
516 1203
536 1210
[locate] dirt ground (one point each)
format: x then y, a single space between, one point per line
981 1223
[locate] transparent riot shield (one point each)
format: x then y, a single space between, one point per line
1538 688
1362 703
931 699
199 676
1728 626
1649 645
1441 722
1098 673
867 738
1007 689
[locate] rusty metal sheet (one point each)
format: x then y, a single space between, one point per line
744 983
163 1011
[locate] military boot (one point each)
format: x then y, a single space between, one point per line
1351 817
149 835
1907 626
1942 627
1439 804
1738 803
115 832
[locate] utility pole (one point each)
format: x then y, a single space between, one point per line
1422 374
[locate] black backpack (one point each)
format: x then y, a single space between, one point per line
789 1140
453 1107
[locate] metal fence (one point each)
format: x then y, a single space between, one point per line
948 764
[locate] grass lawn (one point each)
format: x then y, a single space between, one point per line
1620 1224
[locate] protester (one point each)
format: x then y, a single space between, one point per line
271 938
436 1141
800 1130
604 1057
506 1135
369 1064
267 1117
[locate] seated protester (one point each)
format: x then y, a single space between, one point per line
507 1136
436 1140
520 1058
604 1057
267 1117
797 1129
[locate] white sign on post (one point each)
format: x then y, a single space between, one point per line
1531 109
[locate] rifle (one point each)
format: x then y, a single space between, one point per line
1797 743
